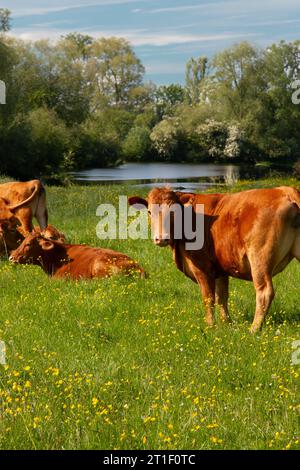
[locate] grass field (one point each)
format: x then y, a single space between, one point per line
129 364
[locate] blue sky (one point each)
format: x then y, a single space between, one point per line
164 33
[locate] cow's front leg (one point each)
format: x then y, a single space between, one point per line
222 289
207 285
264 297
208 294
25 217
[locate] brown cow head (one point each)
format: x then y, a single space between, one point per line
33 250
165 208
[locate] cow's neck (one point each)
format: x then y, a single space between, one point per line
182 258
179 253
52 262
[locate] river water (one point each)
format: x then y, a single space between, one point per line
176 175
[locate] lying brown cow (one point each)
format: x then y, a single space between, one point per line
72 261
11 238
24 201
252 235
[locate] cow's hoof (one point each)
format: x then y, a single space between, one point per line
254 329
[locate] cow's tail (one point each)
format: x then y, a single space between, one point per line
38 189
294 198
297 197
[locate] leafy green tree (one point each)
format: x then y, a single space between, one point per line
4 19
239 78
137 145
140 97
282 67
167 97
196 73
34 145
114 70
76 46
95 146
147 118
98 141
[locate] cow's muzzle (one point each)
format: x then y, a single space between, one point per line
164 241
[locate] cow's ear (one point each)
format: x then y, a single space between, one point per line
137 201
186 199
46 244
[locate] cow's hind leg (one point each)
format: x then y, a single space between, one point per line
296 246
41 213
264 296
222 285
25 217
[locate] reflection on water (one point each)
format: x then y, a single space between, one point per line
180 176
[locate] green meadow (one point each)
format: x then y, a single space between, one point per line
128 363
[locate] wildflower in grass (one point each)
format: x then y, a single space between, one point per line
95 402
149 419
216 440
36 421
212 426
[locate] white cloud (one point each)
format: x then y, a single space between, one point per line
169 68
137 37
180 8
34 7
231 6
165 39
274 22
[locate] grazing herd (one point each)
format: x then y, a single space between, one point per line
251 235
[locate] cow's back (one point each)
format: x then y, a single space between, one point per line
86 262
249 222
18 191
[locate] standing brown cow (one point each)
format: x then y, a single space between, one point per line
251 235
24 201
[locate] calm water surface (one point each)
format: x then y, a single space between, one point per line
176 175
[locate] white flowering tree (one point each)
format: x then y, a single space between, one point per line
167 137
212 137
234 142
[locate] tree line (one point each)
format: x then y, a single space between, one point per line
83 102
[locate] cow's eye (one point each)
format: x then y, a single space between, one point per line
149 212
